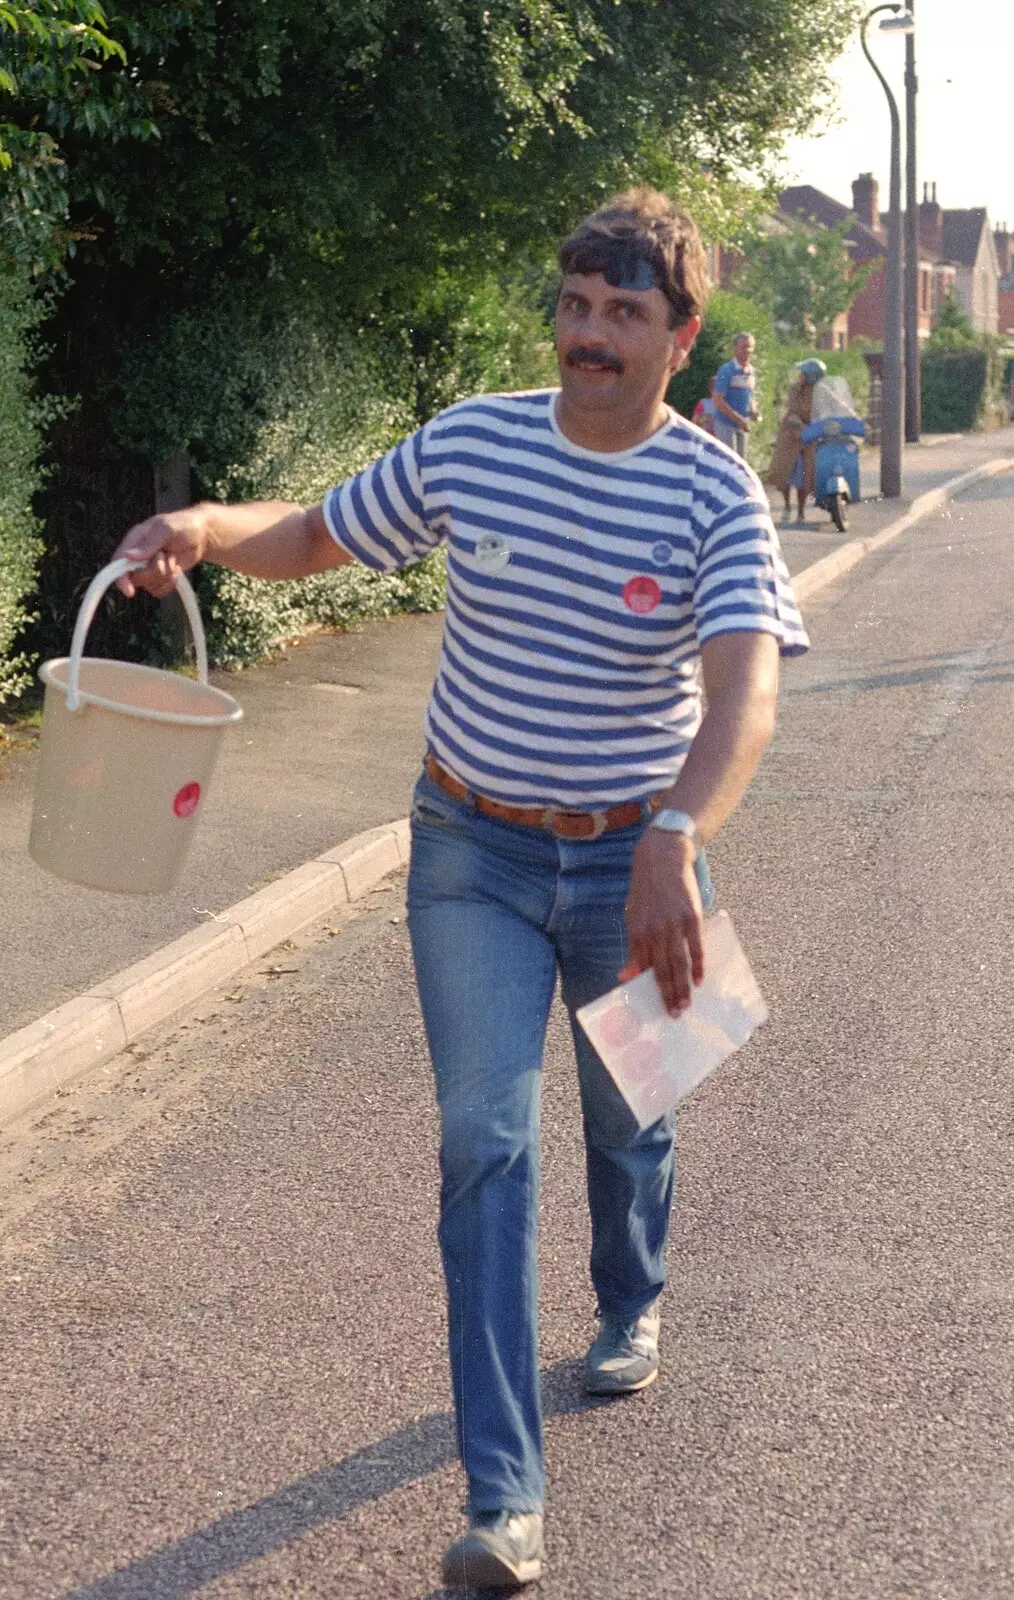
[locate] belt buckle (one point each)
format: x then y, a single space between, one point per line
598 820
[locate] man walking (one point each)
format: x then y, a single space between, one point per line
733 394
599 549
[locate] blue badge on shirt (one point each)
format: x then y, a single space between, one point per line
661 553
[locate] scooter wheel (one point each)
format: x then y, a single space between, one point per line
836 506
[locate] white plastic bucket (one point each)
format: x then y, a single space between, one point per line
125 759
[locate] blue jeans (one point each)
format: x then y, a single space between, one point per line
494 910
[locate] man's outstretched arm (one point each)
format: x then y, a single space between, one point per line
665 923
266 539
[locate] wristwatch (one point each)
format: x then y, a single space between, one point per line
670 821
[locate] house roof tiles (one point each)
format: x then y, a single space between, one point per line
961 235
803 200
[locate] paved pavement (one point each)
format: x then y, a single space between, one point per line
330 744
223 1367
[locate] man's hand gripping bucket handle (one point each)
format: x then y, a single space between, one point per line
89 605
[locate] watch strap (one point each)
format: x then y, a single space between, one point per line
669 820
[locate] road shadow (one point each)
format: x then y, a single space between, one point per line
912 677
413 1452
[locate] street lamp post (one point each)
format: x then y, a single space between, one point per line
913 375
893 380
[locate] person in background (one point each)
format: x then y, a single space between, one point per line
792 463
733 393
704 411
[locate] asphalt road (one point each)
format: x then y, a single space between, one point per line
221 1319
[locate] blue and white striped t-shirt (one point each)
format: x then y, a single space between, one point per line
580 588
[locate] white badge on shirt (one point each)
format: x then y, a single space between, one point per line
492 554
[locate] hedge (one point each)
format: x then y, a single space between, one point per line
22 419
269 403
962 389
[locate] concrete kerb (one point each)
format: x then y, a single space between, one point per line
91 1029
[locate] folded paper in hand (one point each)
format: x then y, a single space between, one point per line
656 1059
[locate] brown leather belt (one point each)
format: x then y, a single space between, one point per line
564 824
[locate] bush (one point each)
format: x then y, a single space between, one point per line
22 418
953 330
962 375
274 405
955 388
481 338
268 406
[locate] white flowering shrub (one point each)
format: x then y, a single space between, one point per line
21 422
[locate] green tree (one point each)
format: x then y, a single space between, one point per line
953 330
345 160
804 274
380 134
48 49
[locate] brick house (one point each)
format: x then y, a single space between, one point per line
958 253
1004 242
967 244
867 240
866 243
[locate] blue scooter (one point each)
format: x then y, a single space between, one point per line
835 430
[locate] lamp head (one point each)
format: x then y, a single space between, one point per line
903 24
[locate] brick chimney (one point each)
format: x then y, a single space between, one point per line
931 223
865 195
1004 249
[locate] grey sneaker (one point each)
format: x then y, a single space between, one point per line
624 1357
501 1550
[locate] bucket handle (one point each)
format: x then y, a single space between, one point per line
90 604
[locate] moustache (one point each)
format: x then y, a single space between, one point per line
597 358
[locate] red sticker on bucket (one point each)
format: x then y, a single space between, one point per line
641 595
185 803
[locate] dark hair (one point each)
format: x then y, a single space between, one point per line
643 225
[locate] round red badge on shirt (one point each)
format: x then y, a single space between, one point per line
186 801
641 595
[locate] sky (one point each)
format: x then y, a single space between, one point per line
964 53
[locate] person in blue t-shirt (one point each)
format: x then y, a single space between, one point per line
733 394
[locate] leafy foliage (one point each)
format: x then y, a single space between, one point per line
383 135
480 337
47 50
953 389
283 400
377 178
269 401
21 422
953 330
805 278
962 374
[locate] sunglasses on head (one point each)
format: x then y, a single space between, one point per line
626 268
